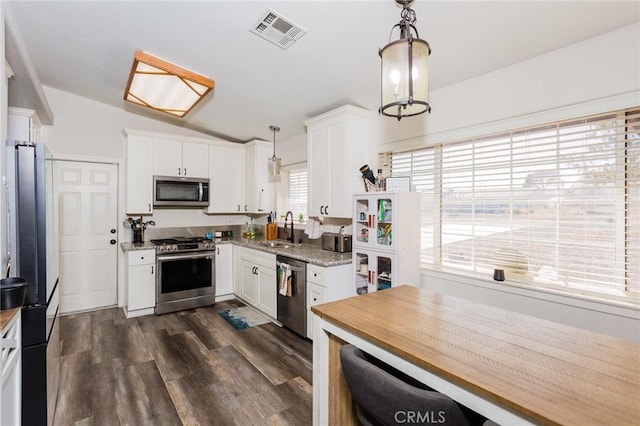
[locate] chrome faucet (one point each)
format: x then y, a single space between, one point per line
291 238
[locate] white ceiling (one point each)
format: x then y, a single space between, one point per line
87 48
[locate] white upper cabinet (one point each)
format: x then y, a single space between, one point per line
23 125
139 175
259 186
195 159
176 158
337 146
227 180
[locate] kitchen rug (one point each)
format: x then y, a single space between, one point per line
243 317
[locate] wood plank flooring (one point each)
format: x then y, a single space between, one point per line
189 367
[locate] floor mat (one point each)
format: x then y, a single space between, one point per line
243 317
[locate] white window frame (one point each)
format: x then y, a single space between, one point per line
620 227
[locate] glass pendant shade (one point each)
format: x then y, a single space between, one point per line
274 166
405 71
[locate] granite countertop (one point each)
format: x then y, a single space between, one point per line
309 253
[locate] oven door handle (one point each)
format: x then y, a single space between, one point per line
165 257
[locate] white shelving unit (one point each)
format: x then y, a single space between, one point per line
386 240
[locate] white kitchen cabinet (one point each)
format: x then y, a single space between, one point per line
139 175
11 369
386 240
267 290
23 125
258 280
259 186
326 284
237 279
224 269
177 158
337 146
226 179
141 282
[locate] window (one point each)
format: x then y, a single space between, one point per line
294 189
557 204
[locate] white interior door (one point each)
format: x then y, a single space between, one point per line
87 197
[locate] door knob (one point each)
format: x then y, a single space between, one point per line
112 242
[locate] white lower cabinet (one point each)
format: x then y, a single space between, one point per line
141 282
224 269
258 280
326 284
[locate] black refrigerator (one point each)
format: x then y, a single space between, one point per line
33 249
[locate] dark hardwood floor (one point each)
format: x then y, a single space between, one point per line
190 368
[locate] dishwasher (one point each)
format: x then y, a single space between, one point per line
292 310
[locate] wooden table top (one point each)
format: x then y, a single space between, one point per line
547 372
6 315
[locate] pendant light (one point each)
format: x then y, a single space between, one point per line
405 69
274 162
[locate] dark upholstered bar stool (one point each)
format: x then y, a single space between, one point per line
385 396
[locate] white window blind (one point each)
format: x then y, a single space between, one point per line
295 192
557 204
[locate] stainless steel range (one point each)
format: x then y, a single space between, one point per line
186 273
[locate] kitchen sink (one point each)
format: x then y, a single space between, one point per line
278 244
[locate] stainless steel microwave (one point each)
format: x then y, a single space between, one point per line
174 191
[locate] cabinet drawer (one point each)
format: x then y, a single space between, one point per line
316 274
315 295
259 257
141 257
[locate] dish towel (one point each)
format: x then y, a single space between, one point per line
285 280
313 230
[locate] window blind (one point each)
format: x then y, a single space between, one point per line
296 192
556 204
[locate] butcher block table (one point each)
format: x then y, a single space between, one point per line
511 368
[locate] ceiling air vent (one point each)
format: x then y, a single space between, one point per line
278 30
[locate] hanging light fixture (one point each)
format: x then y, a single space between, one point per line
405 69
274 162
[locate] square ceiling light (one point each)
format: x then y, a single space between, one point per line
163 86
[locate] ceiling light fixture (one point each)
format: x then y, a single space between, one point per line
405 69
274 162
163 86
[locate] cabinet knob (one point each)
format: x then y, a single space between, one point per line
112 242
179 171
113 231
185 171
152 269
315 275
149 207
315 299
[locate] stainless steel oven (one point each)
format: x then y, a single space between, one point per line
186 275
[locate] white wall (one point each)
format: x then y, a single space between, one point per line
3 135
